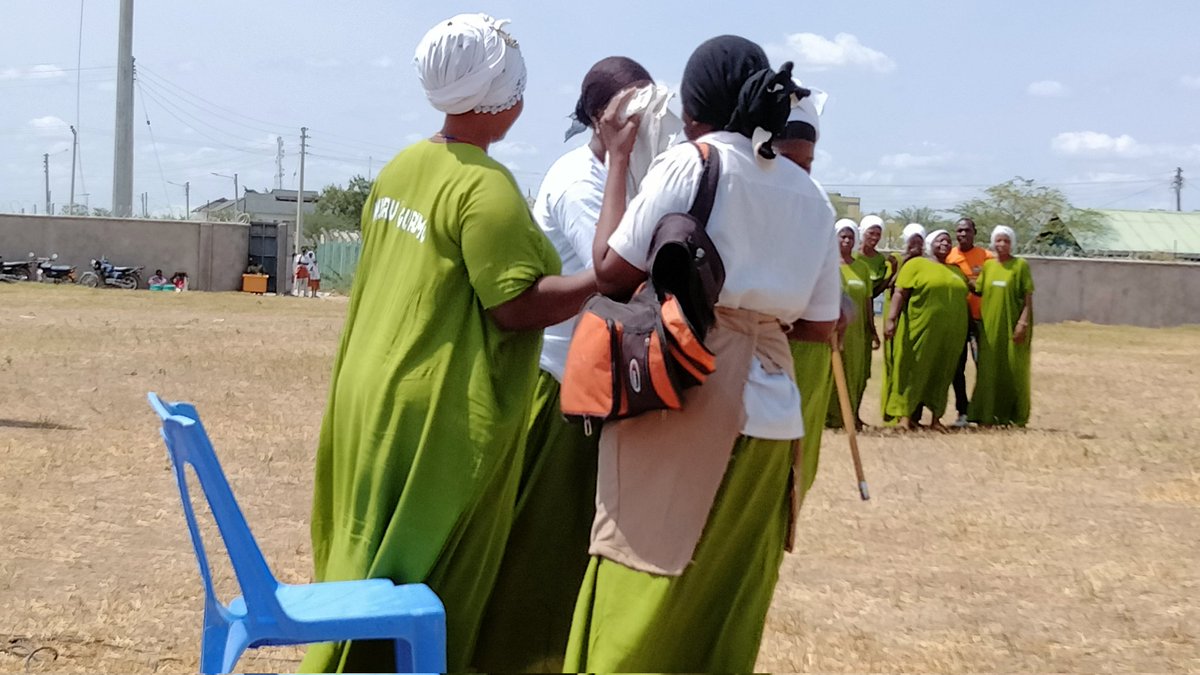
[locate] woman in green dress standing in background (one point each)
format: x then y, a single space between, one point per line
1002 386
927 325
860 331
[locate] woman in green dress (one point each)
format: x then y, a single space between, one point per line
913 238
860 334
882 267
419 454
686 556
927 324
1002 391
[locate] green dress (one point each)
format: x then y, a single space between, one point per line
814 379
1002 391
856 344
877 270
929 337
528 617
709 619
419 455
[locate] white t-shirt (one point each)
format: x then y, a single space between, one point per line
773 226
567 209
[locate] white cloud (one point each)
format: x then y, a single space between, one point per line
904 160
1190 81
383 62
1094 143
43 71
810 51
510 149
48 126
1047 88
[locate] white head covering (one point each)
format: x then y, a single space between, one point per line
809 108
930 239
867 223
846 224
1005 230
469 63
912 230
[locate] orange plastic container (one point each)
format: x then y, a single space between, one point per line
254 283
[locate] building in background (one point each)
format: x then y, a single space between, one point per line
1147 235
274 206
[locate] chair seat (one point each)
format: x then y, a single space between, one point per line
339 600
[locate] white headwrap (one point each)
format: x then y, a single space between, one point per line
809 108
912 230
1005 230
469 63
930 239
846 224
867 223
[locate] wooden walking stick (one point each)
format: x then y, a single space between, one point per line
849 419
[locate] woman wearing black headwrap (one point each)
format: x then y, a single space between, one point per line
693 505
528 618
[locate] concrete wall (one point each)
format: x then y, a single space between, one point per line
212 254
1129 292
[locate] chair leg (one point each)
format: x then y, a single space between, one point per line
429 647
405 663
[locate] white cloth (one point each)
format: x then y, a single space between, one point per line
469 63
809 108
866 224
846 224
567 209
659 129
930 239
912 230
772 224
1006 230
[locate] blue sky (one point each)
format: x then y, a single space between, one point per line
929 100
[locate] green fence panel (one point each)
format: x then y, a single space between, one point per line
338 260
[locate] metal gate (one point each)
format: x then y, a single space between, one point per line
264 250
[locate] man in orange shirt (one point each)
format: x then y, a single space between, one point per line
969 258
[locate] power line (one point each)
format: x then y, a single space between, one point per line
154 145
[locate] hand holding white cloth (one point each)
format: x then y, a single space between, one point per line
660 129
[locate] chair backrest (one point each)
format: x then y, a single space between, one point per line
188 443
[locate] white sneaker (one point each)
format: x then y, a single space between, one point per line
961 422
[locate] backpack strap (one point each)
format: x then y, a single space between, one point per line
707 192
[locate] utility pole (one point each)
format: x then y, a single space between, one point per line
187 197
46 166
1177 186
300 193
235 187
74 151
279 162
122 200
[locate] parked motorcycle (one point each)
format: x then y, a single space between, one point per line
107 274
48 272
16 270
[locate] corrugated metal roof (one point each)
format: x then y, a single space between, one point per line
1146 231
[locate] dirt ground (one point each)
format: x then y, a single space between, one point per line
1070 546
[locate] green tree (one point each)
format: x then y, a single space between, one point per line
1028 208
340 208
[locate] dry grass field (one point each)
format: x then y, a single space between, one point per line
1071 546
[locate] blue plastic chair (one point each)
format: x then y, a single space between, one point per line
269 613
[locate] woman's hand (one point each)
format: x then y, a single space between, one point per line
1020 332
618 136
875 343
889 329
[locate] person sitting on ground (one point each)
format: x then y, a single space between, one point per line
254 267
157 280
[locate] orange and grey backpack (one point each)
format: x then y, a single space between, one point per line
627 358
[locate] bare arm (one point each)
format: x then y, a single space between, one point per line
615 277
1022 328
550 300
899 302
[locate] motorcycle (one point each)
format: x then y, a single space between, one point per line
16 271
50 273
104 272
